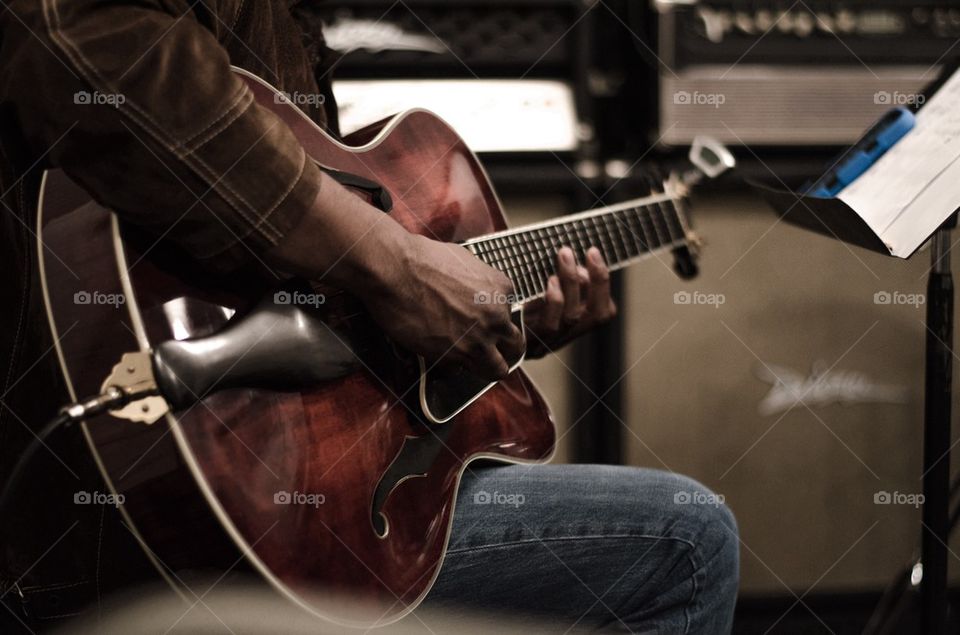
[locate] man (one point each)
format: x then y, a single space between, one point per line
173 142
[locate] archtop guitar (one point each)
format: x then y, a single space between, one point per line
272 429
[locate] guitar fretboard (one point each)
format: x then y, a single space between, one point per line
623 233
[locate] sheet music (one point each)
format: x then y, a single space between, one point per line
915 186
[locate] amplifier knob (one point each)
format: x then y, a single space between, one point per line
785 25
825 22
846 21
715 23
743 21
764 20
940 26
803 24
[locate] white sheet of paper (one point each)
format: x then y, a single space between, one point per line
915 186
491 115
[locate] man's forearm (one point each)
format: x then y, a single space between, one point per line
138 105
342 240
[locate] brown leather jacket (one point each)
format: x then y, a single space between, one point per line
133 99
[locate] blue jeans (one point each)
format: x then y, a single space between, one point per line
598 547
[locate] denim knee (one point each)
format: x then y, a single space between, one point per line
708 521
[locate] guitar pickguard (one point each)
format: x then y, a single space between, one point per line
446 389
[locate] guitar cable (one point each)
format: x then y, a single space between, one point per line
111 398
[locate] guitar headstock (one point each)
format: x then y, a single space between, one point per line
708 159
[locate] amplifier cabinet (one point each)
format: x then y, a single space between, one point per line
788 377
793 74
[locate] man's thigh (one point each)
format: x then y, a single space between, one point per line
598 546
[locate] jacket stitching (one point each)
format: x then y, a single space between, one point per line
59 37
233 111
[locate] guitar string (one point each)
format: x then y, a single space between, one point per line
574 230
521 255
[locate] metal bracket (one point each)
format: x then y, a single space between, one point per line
133 376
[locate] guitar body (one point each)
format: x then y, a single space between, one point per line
342 488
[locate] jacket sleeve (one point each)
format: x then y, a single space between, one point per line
136 102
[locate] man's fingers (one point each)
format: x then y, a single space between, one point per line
513 346
569 284
552 309
490 364
598 298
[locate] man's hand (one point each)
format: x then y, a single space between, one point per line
426 295
432 301
577 299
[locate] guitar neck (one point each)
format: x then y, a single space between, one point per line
624 233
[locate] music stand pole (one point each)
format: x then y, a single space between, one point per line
936 437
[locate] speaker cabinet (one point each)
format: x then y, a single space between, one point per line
788 377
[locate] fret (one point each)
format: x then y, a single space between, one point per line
528 257
584 241
559 238
490 246
627 239
551 237
612 256
482 248
619 246
601 243
509 257
665 219
589 241
539 248
543 258
636 229
501 256
673 218
523 254
508 266
557 241
656 220
528 254
545 255
519 281
579 243
497 253
643 215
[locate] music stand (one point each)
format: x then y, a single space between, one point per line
938 391
831 217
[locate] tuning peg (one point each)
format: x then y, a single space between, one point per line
710 156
